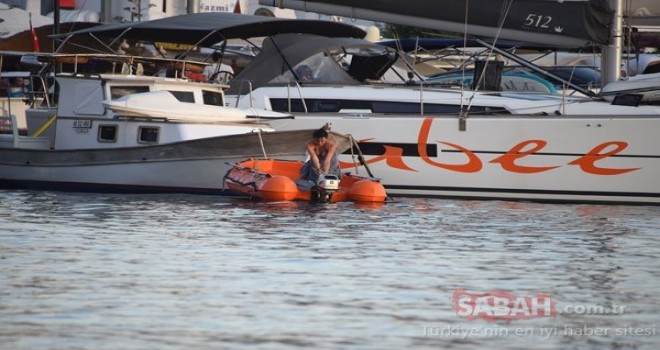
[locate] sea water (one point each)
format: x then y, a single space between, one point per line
100 271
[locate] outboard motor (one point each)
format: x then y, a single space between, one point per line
326 185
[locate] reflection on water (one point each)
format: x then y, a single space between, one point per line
171 272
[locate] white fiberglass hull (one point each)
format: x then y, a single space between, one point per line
556 158
169 176
195 166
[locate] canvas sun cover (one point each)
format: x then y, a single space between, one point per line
566 23
207 29
281 55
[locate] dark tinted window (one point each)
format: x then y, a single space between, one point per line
318 105
325 106
212 98
184 96
121 91
107 133
148 134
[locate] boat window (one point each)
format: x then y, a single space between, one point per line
107 133
321 69
184 96
148 134
121 91
332 105
282 105
402 107
213 98
329 106
318 105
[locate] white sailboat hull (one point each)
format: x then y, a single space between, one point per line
586 158
194 166
169 176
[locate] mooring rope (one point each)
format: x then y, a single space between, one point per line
261 141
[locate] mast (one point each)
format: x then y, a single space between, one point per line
193 6
106 10
56 22
611 55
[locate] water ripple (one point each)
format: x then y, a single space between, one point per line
95 271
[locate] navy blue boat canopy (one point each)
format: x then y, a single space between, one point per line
208 29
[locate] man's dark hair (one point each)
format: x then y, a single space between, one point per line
320 133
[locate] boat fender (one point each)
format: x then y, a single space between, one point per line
367 191
278 188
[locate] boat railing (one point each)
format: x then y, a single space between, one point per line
243 83
95 63
38 91
302 98
421 98
7 125
250 89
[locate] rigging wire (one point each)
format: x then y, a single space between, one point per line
506 7
465 23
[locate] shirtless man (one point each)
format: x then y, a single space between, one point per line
322 157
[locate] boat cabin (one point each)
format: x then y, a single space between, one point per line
84 114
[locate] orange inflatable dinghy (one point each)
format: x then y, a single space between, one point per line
278 180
